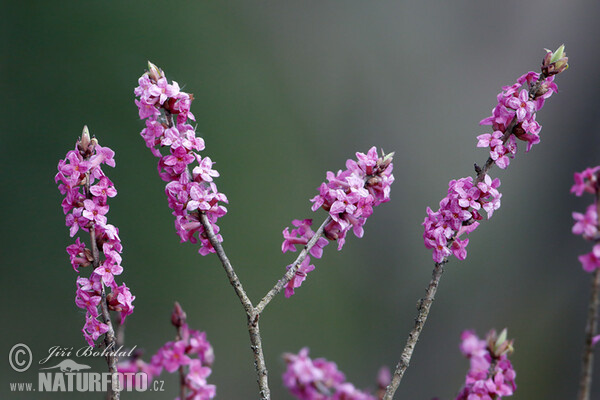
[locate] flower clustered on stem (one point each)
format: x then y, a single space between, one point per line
349 197
491 375
319 379
587 225
166 110
191 354
513 117
87 189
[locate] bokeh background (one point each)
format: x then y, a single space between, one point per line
285 91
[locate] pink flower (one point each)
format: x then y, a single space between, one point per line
103 189
178 160
350 195
586 181
85 207
591 261
484 381
524 107
586 224
318 379
159 101
204 170
302 235
349 198
78 255
201 346
88 301
163 90
95 212
457 215
174 356
107 271
299 277
94 328
121 300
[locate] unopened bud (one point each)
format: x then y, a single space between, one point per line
555 62
84 142
499 345
178 316
385 160
154 72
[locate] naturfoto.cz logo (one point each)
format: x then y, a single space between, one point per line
71 376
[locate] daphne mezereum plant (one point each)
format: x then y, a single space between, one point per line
587 225
513 118
348 197
87 189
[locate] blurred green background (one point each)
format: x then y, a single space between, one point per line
285 91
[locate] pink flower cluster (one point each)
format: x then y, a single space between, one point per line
458 214
587 224
166 110
178 354
81 179
130 369
516 106
320 379
349 197
514 117
491 375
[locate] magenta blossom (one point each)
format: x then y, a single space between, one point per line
586 181
349 197
587 224
86 189
179 356
458 214
513 117
299 276
166 110
491 375
318 379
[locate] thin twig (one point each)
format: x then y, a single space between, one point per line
233 278
292 270
109 336
587 364
253 313
413 337
253 330
259 358
182 386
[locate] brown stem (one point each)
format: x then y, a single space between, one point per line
109 336
259 358
292 271
182 385
587 364
233 278
253 313
423 307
